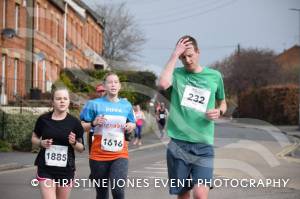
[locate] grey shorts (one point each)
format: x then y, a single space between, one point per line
189 164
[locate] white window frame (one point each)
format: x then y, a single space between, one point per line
57 30
17 17
37 17
36 74
4 14
16 64
44 69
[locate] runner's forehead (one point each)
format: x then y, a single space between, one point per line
189 50
61 93
112 77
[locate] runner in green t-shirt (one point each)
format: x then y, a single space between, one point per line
197 99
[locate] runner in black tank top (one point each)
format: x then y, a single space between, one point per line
162 114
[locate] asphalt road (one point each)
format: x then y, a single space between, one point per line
241 153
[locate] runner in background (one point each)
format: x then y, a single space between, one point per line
110 116
58 134
140 119
161 117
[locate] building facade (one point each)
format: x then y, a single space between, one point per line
39 38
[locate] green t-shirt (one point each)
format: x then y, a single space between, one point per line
193 94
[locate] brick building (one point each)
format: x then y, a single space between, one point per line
290 58
41 37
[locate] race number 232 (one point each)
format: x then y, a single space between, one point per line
195 98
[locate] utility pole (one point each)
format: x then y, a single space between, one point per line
238 53
298 10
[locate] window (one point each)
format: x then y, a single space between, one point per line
16 63
37 16
36 72
52 25
78 36
3 74
17 17
74 33
81 37
56 29
70 30
42 20
4 13
44 75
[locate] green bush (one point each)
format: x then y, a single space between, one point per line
18 130
5 146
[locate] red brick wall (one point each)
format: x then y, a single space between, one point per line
83 33
13 48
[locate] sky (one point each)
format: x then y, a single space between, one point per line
218 26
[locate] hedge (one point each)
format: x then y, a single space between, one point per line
17 129
275 104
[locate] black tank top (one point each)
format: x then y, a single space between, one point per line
162 114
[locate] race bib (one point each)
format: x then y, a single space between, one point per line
161 116
195 98
57 156
112 141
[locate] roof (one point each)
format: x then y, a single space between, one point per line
60 4
289 59
93 14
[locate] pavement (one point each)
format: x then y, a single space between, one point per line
17 160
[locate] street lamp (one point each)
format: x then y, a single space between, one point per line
297 10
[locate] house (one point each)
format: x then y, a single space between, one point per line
39 38
290 59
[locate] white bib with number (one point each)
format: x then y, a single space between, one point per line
161 116
112 141
195 98
56 155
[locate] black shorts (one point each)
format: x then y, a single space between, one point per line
62 177
162 123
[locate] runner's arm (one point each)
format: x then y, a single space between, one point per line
35 140
217 112
130 126
165 79
38 141
86 126
222 106
78 146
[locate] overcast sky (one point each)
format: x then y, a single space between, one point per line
218 25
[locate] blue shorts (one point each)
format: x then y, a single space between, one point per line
189 164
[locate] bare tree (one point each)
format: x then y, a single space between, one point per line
249 68
122 37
